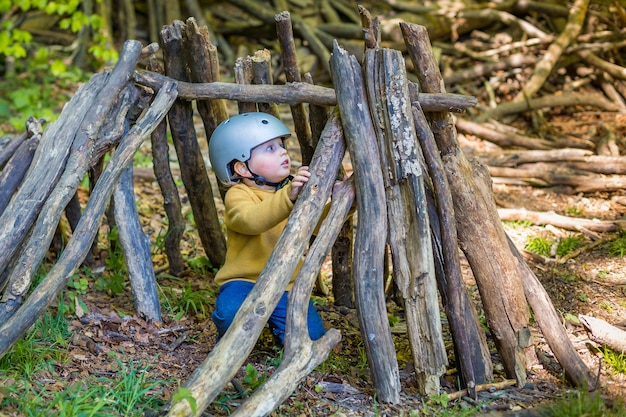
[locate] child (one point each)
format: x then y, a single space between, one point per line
248 152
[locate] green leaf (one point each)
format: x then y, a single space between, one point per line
57 68
185 394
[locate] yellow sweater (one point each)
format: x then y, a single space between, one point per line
254 220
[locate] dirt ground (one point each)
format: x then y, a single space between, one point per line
591 283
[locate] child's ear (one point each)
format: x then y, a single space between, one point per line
241 169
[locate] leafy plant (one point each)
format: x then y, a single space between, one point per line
616 360
568 245
539 245
113 280
179 302
185 394
132 392
617 247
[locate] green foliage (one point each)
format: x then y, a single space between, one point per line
539 245
43 345
113 280
185 394
617 247
131 393
201 265
569 245
179 302
616 360
25 87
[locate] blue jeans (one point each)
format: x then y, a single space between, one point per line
232 294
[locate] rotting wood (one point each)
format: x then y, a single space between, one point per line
136 249
171 199
409 229
470 342
371 230
86 230
480 231
193 170
223 362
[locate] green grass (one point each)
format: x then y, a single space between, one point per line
582 403
616 360
179 302
539 245
617 246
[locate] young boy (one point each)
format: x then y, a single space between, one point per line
248 153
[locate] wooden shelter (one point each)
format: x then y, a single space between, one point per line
416 194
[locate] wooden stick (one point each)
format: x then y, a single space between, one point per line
482 387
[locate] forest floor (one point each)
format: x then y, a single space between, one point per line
592 283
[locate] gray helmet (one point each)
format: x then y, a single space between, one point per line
234 138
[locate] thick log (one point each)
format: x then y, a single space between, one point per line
136 248
87 228
480 232
193 170
409 228
229 354
470 342
563 222
243 76
371 233
301 354
204 67
261 63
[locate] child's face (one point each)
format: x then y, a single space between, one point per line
270 160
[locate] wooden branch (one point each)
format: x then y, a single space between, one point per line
489 132
15 169
171 198
9 148
77 248
482 387
290 68
473 355
136 248
369 247
613 70
563 222
548 101
243 76
479 229
409 228
479 70
290 93
546 64
261 64
236 344
193 170
605 333
302 355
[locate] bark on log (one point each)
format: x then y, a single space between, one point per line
171 198
407 216
301 354
8 149
193 171
371 234
290 64
563 222
470 342
15 169
290 93
481 235
77 248
234 347
136 248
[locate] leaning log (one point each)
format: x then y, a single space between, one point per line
604 333
193 170
87 228
136 248
15 169
409 227
223 362
371 232
481 234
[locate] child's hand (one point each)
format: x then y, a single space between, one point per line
298 181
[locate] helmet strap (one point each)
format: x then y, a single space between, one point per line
262 181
